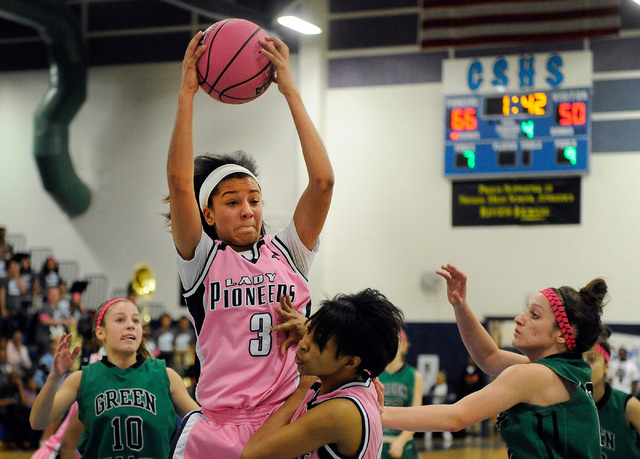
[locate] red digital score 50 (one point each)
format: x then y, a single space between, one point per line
571 114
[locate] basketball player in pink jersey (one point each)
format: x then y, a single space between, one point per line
233 274
346 343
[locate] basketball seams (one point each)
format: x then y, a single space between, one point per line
229 73
222 93
235 56
215 32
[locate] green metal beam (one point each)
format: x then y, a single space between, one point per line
62 101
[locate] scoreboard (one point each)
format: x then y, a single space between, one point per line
518 116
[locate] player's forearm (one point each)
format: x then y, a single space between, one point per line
315 154
180 158
476 339
40 416
422 418
279 419
405 436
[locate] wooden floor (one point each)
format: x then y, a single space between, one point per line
474 448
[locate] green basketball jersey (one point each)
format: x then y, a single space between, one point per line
398 390
127 414
565 430
619 439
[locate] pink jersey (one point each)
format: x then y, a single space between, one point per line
232 310
363 395
51 446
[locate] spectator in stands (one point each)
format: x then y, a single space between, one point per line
440 395
18 354
7 395
150 340
28 302
14 407
471 380
131 293
6 252
77 308
11 291
184 346
623 372
48 275
164 338
51 322
45 362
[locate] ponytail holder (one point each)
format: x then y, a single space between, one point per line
561 317
602 351
106 306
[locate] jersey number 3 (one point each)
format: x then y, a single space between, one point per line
261 325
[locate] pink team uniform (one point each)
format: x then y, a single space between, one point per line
363 395
51 446
244 378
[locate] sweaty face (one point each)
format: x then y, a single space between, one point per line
236 212
536 326
121 328
312 361
599 366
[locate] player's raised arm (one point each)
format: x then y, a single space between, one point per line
313 206
489 357
54 400
183 207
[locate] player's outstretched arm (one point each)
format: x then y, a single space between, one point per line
511 387
336 421
182 401
480 345
313 206
632 413
52 402
186 227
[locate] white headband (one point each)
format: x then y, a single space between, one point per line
216 176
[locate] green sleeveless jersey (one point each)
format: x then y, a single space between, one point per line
398 390
618 438
127 414
565 430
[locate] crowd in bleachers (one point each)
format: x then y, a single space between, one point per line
36 308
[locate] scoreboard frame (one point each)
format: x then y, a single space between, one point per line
518 116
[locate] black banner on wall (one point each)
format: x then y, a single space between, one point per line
540 201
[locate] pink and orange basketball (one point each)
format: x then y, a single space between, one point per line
232 69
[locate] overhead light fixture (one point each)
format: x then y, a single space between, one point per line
299 25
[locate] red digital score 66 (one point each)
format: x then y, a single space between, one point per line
571 114
463 119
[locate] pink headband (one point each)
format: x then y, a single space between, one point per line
106 306
561 317
602 351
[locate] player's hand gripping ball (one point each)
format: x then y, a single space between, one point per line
232 69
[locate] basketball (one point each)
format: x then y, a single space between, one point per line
232 69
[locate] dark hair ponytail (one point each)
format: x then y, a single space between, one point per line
584 311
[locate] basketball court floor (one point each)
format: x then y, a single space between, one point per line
463 448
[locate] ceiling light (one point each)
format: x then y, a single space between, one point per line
299 25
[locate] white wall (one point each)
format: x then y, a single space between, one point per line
391 214
390 221
118 143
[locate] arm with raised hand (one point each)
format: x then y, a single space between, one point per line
313 205
186 227
484 350
54 399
